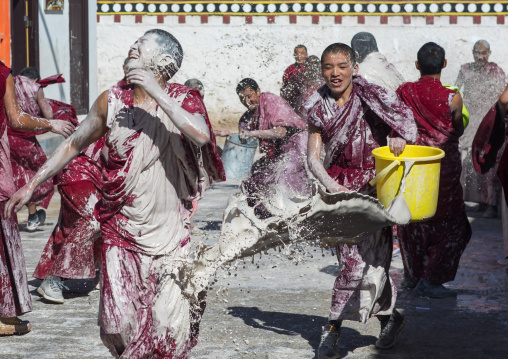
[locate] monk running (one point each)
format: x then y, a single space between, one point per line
351 117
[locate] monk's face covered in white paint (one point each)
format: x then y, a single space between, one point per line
144 54
338 71
250 98
481 55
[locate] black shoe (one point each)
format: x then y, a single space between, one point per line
430 290
390 329
33 222
329 346
408 283
491 212
42 216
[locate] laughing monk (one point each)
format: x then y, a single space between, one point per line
159 156
431 250
351 117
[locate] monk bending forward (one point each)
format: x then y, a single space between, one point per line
159 156
352 117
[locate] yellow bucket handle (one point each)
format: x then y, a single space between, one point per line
384 172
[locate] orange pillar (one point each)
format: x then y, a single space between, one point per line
5 32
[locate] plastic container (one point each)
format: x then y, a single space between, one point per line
422 182
238 157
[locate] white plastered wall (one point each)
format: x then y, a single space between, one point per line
220 55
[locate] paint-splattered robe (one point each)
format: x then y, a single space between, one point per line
73 249
151 175
15 297
480 89
490 153
431 250
27 155
363 287
283 169
376 69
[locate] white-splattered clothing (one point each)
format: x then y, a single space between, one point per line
480 89
377 69
151 175
15 297
363 287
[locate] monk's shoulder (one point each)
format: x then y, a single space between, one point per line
4 70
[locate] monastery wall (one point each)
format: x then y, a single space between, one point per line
222 48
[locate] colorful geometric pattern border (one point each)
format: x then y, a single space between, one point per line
241 8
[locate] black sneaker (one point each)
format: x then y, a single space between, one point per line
390 329
329 345
42 216
33 222
431 290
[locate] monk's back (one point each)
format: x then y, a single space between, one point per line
430 102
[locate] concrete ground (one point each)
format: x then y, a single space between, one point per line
271 308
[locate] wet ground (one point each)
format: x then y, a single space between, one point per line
274 309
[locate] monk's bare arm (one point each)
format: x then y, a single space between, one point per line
316 166
23 121
503 103
193 126
456 108
92 129
47 111
271 134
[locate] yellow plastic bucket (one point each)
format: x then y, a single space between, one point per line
422 182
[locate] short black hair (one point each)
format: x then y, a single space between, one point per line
31 73
364 43
300 47
245 84
341 48
431 58
170 46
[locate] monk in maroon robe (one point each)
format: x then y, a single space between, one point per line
27 155
159 156
15 297
73 249
282 138
300 55
431 250
488 153
351 117
301 86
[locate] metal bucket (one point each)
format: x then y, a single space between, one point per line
238 157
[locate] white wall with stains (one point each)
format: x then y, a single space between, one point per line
220 55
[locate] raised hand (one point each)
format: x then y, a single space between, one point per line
147 80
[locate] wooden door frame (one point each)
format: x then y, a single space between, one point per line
85 78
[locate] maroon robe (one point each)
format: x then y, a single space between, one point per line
151 175
27 155
489 139
284 166
363 287
298 90
73 249
431 250
292 71
15 297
